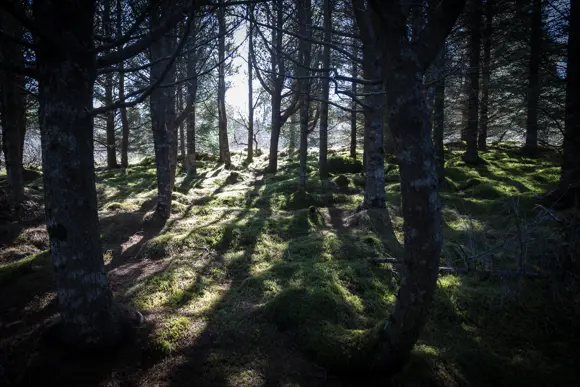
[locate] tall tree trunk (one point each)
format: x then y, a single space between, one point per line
403 67
190 120
534 78
222 117
305 20
276 125
110 114
323 152
570 177
181 126
465 96
353 115
66 78
439 115
12 109
471 155
169 94
278 69
485 73
374 196
292 135
250 155
159 120
123 110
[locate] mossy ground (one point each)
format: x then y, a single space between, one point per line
253 282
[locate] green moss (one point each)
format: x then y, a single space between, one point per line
13 270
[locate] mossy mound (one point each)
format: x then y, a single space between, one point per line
342 164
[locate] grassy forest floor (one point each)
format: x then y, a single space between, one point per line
250 283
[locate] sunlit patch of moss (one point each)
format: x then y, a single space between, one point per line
121 206
168 335
34 262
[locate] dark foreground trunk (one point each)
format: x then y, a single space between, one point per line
66 80
12 109
570 177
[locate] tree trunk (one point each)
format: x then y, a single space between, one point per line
323 152
12 109
485 73
222 117
403 67
353 113
250 155
439 116
159 119
533 97
374 196
66 80
570 177
181 126
123 110
470 155
169 94
292 135
305 20
190 121
110 114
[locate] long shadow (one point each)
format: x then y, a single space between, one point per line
208 345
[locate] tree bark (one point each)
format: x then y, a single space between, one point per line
439 116
190 120
323 151
471 156
181 126
122 110
485 73
305 20
570 176
250 155
160 127
353 115
169 96
374 195
12 109
403 67
534 78
222 117
110 114
66 78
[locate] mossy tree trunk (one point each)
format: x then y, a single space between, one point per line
403 67
471 155
12 108
66 77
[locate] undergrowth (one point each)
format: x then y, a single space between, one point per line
262 267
